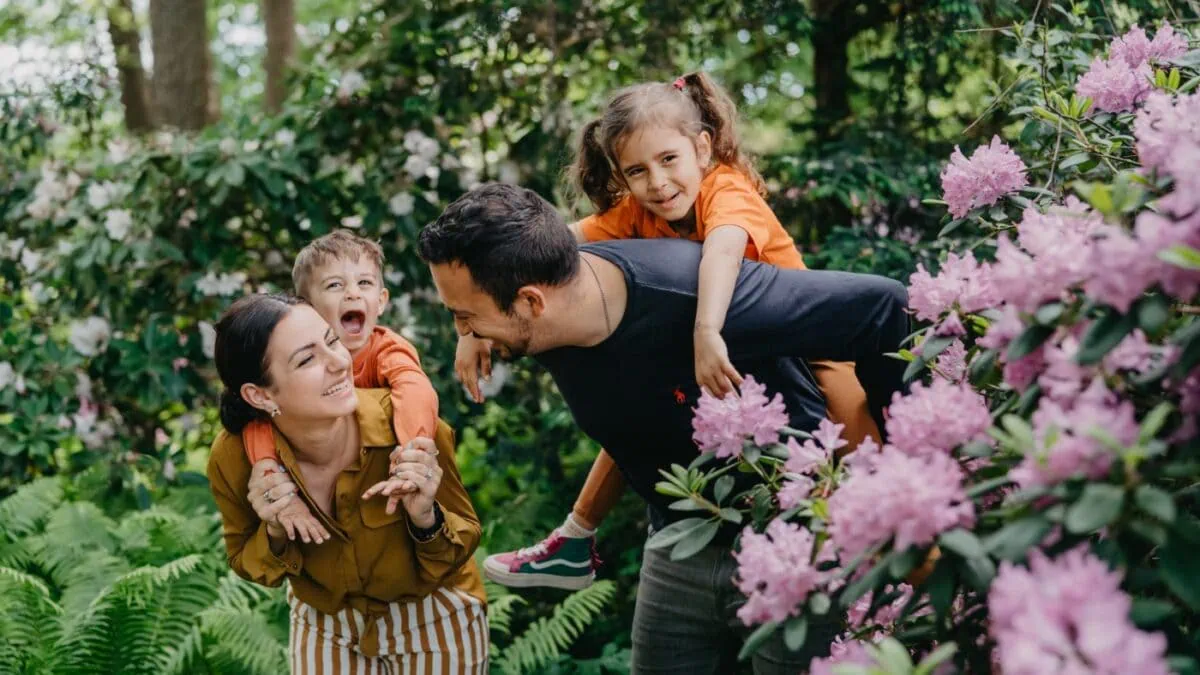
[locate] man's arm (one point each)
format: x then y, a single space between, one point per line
837 316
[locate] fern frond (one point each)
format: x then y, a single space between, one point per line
24 511
242 640
548 637
500 611
28 622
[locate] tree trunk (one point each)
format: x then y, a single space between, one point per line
182 68
279 16
127 45
831 76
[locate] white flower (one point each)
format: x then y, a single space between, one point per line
353 222
500 374
401 204
416 166
30 260
208 338
274 258
285 137
451 162
7 375
351 83
227 146
117 223
356 175
90 336
329 164
99 195
304 224
19 385
168 470
234 224
83 385
490 118
394 277
403 306
225 284
510 172
119 151
40 208
64 247
251 146
187 218
13 247
41 293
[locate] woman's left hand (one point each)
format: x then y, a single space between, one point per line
414 481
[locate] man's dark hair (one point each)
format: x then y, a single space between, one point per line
507 237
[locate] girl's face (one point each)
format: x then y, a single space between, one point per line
663 169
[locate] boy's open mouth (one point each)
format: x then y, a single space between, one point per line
353 322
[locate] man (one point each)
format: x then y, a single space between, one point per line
612 322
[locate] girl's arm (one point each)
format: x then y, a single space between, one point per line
577 230
724 248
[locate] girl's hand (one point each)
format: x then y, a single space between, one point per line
414 481
472 359
714 372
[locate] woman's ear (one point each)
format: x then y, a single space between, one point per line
259 398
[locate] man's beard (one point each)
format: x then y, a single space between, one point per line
520 348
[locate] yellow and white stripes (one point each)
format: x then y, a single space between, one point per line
444 633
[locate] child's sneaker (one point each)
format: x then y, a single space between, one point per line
557 561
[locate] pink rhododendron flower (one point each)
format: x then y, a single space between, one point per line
1134 48
804 457
775 571
1158 233
795 489
1167 130
1064 444
1052 257
1021 373
962 283
1003 329
829 435
1115 86
992 172
722 425
936 418
1126 268
951 364
1068 615
911 499
852 652
885 616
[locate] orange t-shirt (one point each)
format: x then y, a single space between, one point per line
388 360
726 198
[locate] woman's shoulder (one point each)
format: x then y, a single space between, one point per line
227 456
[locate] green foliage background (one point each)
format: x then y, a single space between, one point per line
110 545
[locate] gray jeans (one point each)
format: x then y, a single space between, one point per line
685 621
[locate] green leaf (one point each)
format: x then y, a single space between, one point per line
867 582
979 572
936 658
1049 314
982 366
941 588
1012 541
1028 341
892 655
1105 333
1099 505
723 487
732 515
1074 160
987 486
695 540
819 603
702 459
1149 612
1179 567
674 532
963 542
951 227
1181 255
685 505
1155 502
795 632
1153 313
757 638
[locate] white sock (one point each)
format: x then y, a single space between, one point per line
571 528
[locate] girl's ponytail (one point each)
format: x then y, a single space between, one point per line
592 174
718 114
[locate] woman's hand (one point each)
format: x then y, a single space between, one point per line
270 490
472 359
713 369
414 481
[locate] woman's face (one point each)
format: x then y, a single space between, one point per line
311 377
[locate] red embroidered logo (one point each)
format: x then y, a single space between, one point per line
680 398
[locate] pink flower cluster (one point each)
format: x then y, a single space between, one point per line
804 458
1068 615
1065 446
951 364
1168 140
775 571
851 652
1050 259
896 495
1124 79
722 425
885 616
993 171
961 284
937 418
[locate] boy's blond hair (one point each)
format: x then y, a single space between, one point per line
337 245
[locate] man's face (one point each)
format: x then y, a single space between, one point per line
476 313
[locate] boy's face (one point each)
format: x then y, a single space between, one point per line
349 294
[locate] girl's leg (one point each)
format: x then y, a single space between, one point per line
601 492
846 400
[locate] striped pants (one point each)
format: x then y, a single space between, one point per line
444 633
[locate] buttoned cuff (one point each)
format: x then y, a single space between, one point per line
276 566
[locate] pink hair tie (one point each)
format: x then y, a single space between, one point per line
679 84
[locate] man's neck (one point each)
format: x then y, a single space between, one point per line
587 300
322 444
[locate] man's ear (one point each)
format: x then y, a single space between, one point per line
384 296
258 397
532 299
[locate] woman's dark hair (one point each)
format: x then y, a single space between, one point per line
507 237
243 333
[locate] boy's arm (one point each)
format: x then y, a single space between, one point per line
822 315
414 401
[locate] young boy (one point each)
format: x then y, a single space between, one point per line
341 276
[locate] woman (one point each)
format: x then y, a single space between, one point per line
391 590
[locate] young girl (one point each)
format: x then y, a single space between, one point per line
664 160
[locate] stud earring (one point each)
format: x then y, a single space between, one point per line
275 412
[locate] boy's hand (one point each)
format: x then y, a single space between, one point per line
714 372
473 359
